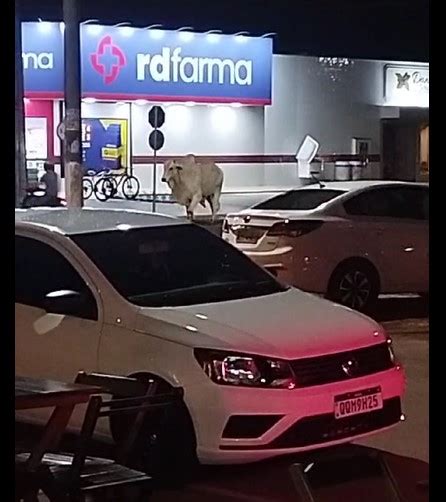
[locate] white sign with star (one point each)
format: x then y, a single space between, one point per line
406 85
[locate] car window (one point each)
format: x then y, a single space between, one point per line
300 199
391 202
40 269
175 265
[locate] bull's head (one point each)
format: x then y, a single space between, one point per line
171 171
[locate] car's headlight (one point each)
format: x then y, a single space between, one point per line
227 368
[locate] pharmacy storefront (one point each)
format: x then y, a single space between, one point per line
225 97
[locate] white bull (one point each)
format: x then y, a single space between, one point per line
194 183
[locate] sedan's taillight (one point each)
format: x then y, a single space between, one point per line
295 228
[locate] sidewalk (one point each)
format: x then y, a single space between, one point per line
230 203
408 327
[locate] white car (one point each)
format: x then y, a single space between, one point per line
350 240
266 369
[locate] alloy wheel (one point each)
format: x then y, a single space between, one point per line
354 289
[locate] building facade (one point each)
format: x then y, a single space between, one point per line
229 98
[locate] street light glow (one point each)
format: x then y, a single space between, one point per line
156 34
44 26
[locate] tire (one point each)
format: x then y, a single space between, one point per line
167 443
105 188
355 284
87 187
130 187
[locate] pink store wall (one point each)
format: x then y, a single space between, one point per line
41 108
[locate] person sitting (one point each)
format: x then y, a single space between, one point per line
51 182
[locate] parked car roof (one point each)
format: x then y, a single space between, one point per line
351 186
88 220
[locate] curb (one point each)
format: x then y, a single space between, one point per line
408 326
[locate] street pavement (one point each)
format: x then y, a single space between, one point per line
230 203
410 438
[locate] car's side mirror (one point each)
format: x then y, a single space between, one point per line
64 302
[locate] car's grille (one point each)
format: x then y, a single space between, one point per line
342 366
322 429
249 426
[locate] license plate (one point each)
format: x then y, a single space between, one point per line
247 235
247 240
359 402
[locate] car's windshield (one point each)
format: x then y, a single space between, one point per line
300 199
175 265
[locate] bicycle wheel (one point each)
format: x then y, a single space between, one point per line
130 187
105 188
87 187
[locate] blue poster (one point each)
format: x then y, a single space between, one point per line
104 144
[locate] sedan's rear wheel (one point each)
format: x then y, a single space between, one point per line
355 285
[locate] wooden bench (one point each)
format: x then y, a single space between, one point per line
75 475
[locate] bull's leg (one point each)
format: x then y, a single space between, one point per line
215 202
211 204
196 199
186 207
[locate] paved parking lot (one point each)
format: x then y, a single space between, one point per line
229 203
411 438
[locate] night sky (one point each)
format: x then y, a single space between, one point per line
378 29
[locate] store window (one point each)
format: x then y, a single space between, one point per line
424 152
36 142
36 138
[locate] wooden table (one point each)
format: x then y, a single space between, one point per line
31 393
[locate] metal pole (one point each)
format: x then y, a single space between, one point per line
154 183
72 150
61 143
129 140
154 169
20 151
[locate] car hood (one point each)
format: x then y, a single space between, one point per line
289 325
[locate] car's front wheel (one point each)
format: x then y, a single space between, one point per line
167 442
354 284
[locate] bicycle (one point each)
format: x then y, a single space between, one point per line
106 187
103 190
87 185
